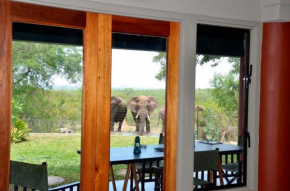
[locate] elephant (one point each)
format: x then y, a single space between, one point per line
161 116
118 111
141 108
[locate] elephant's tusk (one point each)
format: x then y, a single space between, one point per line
137 116
148 117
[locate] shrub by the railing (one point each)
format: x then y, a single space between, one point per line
19 131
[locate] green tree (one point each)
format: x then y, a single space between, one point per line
19 129
161 58
200 59
218 126
36 64
225 89
227 124
219 120
235 61
17 109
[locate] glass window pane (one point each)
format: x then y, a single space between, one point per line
137 115
47 107
220 107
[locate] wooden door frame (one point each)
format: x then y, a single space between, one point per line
5 92
93 172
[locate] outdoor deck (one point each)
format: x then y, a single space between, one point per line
120 183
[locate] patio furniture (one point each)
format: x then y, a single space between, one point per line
148 166
158 178
203 161
207 161
28 176
233 170
125 155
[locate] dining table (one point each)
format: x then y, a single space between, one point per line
125 155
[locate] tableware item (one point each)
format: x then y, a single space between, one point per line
137 145
210 143
159 149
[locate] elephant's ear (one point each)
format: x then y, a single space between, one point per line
133 104
152 105
115 101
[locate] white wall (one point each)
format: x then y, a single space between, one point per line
234 9
246 10
275 10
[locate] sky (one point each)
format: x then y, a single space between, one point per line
205 73
136 69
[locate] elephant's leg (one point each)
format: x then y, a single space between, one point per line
137 125
136 122
112 126
120 126
163 125
147 126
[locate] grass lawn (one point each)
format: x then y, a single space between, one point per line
60 153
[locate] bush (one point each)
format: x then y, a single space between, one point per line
218 126
19 131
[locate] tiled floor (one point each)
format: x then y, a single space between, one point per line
149 186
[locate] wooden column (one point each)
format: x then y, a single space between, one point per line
274 131
5 92
170 153
96 103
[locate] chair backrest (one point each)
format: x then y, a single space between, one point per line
206 160
161 139
29 175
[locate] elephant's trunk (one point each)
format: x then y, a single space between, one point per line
142 115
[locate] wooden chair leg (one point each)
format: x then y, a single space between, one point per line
161 179
135 177
220 172
127 177
113 178
157 177
143 177
211 176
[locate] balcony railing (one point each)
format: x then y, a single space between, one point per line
68 187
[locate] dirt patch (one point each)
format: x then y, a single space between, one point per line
53 180
131 129
122 172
